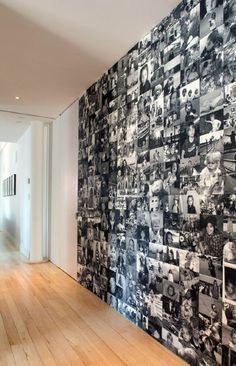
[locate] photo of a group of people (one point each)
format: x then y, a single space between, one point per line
156 185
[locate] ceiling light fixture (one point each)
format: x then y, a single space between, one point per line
17 98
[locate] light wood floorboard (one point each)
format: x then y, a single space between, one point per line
48 319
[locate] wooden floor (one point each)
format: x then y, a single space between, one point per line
46 318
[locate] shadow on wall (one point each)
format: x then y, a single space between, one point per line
157 171
10 229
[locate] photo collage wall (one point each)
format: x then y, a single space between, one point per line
157 183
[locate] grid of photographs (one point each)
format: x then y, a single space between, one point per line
157 183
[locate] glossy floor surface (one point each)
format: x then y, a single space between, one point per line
46 318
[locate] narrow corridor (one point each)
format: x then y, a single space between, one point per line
46 318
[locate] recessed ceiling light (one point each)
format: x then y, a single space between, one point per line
17 98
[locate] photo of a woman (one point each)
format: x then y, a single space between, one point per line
144 80
190 203
212 243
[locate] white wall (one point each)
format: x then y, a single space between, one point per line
64 190
15 158
22 215
37 190
24 191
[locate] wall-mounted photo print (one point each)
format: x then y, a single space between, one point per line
9 186
229 290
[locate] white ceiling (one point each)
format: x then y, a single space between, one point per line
51 51
13 125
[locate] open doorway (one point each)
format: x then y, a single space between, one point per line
25 184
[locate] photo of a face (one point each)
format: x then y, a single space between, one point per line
210 229
144 79
229 285
144 76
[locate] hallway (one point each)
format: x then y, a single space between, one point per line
46 318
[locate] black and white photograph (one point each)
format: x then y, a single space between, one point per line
211 102
190 91
211 16
212 122
170 315
230 94
229 290
229 315
210 286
